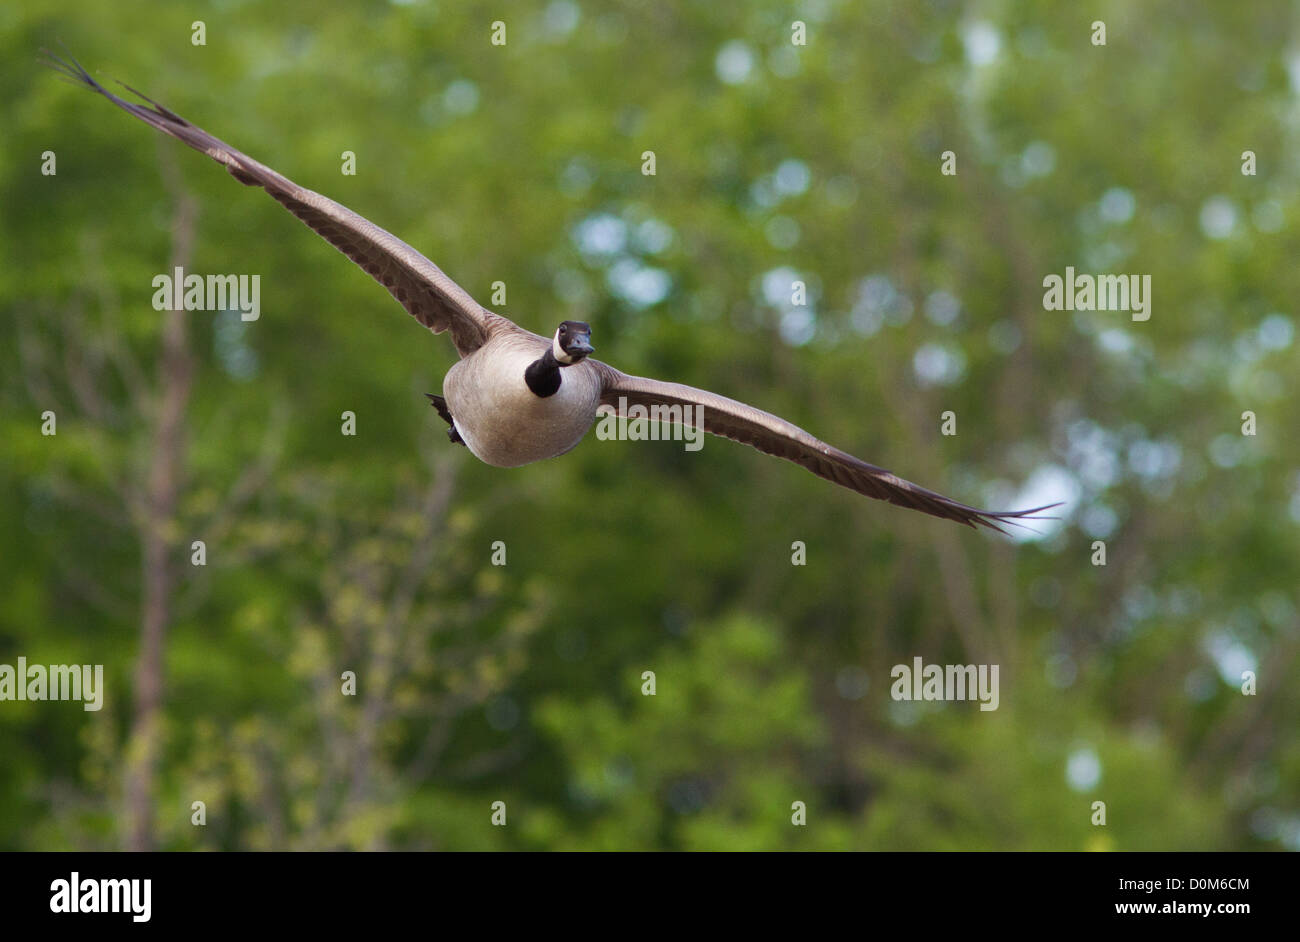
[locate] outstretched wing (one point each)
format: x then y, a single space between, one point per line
775 436
420 286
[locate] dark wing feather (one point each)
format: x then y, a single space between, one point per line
420 286
775 436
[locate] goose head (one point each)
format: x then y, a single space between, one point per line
571 343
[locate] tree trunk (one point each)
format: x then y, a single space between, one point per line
158 573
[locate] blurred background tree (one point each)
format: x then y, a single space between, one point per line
522 683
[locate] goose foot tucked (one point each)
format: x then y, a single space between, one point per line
440 404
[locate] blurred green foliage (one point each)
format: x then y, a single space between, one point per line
522 163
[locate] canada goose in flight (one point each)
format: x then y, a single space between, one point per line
516 397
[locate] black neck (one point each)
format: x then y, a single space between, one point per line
543 375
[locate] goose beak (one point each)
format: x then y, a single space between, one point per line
579 345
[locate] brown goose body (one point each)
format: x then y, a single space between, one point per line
491 407
501 420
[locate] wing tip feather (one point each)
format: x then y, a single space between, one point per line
992 518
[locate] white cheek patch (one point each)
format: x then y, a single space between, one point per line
557 351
